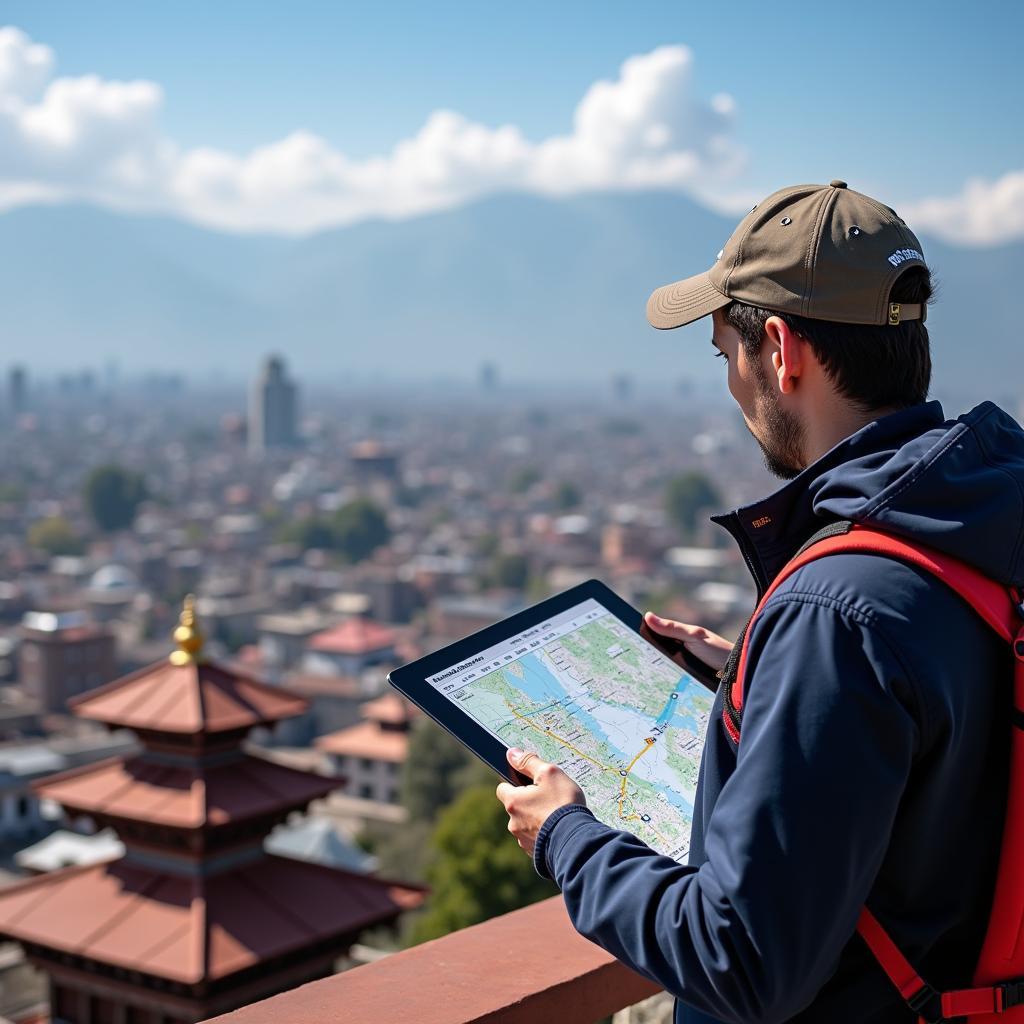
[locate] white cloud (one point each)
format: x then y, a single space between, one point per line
984 213
88 138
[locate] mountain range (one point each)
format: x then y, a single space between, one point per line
551 287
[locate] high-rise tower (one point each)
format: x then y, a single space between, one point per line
273 408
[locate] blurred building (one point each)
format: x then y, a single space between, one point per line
273 408
624 543
61 655
17 390
349 648
370 755
196 918
283 636
373 461
21 817
488 377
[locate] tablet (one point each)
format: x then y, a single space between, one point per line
574 679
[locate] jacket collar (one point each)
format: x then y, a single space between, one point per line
769 532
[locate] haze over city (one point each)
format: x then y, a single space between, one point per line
325 347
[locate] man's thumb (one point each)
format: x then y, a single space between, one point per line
522 760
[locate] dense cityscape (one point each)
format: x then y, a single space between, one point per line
311 542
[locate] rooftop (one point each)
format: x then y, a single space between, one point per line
189 929
198 697
176 796
354 636
390 709
367 739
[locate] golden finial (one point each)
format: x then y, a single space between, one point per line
187 635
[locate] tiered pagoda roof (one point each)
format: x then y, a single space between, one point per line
195 910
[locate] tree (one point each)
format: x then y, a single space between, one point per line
360 527
686 497
523 479
510 570
308 533
567 496
437 768
113 495
478 870
55 536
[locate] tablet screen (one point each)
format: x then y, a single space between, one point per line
590 695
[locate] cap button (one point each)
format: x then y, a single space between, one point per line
836 183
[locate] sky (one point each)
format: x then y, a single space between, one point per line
295 117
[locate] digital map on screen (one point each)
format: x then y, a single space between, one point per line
590 695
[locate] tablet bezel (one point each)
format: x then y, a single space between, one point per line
411 679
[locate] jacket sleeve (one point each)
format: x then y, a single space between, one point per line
795 839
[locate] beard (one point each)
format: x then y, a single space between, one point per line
780 435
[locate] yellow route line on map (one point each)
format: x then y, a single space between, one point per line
648 743
554 736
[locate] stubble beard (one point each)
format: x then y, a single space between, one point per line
782 443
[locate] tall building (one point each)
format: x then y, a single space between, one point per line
488 377
17 381
196 918
273 408
622 386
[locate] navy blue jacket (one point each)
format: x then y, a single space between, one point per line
873 760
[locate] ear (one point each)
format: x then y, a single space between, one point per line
786 351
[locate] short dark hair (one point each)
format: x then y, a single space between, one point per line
873 365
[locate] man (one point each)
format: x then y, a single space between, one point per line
872 764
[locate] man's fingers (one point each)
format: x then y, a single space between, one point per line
505 792
525 761
676 630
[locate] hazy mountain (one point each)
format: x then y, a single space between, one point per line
553 287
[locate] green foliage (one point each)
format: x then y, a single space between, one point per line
314 532
113 495
355 530
686 496
567 496
194 533
271 513
11 491
478 871
523 479
487 545
510 570
401 851
360 527
55 536
437 768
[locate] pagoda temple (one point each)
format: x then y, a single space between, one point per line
196 918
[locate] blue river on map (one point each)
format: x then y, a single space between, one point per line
542 687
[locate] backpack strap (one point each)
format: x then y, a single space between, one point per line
993 602
1003 610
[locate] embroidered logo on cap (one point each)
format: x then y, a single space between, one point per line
902 255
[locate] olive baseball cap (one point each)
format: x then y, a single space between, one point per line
819 251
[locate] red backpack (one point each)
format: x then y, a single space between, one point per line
999 976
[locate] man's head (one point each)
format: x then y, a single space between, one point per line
818 301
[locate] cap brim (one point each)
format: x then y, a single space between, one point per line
674 305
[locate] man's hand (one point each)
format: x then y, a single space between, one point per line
711 648
529 806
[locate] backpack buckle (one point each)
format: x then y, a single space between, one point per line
1012 994
926 1002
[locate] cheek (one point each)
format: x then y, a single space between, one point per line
740 387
